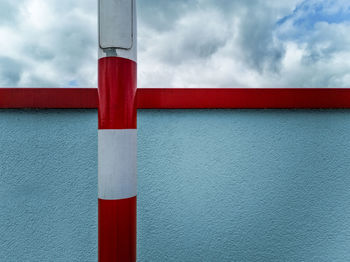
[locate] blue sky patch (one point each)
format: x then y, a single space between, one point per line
307 14
73 83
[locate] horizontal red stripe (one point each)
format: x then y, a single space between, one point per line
243 98
117 230
117 93
48 98
180 98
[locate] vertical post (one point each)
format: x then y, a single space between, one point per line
117 134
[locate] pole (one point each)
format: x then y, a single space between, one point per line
117 134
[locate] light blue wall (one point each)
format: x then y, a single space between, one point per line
216 185
48 185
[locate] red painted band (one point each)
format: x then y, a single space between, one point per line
48 98
117 93
242 98
117 230
181 98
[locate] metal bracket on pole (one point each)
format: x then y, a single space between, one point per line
117 28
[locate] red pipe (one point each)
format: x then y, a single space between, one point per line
117 134
117 126
184 98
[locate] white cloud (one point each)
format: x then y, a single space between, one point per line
53 41
183 43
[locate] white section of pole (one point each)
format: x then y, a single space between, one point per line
117 153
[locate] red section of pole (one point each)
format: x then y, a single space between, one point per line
117 230
117 110
117 93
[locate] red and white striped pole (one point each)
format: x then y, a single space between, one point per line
117 134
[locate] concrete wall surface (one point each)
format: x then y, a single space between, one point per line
214 185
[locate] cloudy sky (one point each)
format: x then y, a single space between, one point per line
182 43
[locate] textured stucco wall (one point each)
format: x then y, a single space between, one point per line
216 185
48 182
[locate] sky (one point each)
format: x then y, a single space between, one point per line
182 43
